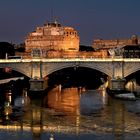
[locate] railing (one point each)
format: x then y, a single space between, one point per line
70 55
70 60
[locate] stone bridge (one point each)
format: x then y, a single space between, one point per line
38 69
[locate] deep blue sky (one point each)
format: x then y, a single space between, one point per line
106 19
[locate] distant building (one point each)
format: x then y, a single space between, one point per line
100 44
119 47
131 51
53 36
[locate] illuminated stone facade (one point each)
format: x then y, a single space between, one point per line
53 36
99 44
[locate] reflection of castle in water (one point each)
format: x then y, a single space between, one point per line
118 116
67 101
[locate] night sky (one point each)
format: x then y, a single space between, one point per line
106 19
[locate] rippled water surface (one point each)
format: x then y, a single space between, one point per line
71 114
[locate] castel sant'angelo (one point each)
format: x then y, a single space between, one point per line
55 40
53 36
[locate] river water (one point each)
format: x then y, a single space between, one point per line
70 114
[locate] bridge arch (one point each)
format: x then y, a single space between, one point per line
78 76
131 68
131 72
24 68
103 68
22 71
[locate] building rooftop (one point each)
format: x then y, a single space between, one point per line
53 24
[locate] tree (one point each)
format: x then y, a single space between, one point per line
6 48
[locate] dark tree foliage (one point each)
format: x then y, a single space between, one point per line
85 48
8 48
21 49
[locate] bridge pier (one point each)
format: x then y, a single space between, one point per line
38 84
118 84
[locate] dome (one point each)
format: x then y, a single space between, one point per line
134 39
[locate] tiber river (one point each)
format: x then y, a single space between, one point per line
70 114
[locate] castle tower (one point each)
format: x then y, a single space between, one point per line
53 36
